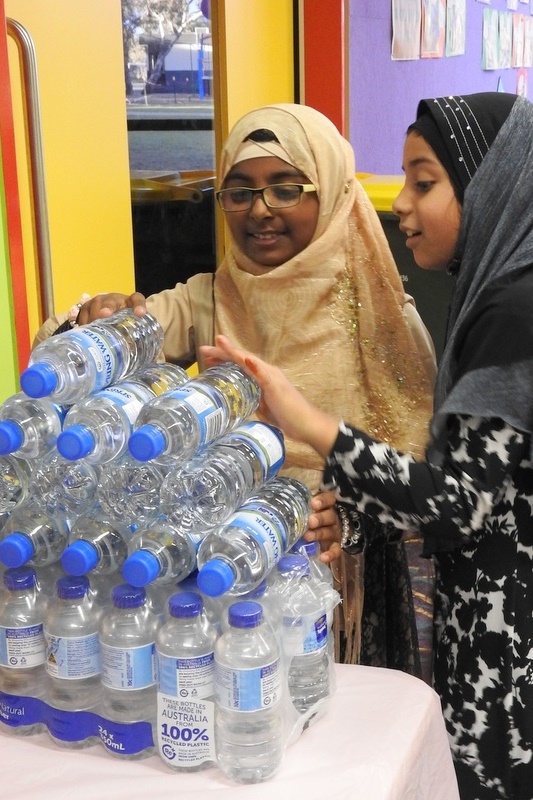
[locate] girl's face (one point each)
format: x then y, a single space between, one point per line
271 236
429 211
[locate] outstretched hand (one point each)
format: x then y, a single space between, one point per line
281 403
104 305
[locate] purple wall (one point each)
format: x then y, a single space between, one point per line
384 94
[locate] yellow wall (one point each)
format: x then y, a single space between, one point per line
84 130
8 358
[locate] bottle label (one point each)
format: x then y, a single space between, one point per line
248 689
129 400
185 731
72 657
265 528
125 738
99 352
187 678
17 711
128 667
211 417
22 648
266 445
305 634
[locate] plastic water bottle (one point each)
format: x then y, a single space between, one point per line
248 691
127 643
262 594
202 493
62 487
22 653
178 424
304 633
32 537
131 490
29 427
98 543
237 556
160 553
185 657
320 570
73 663
68 367
14 482
98 427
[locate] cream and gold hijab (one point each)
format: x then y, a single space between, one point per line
333 316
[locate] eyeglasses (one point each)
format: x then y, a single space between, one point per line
279 195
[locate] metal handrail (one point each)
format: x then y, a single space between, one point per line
30 98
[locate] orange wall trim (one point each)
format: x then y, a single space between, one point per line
323 67
14 228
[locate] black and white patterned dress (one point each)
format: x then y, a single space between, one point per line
476 517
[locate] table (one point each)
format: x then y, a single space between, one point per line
383 738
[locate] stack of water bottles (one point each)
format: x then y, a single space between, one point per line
156 595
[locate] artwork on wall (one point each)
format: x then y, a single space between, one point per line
455 27
406 25
433 28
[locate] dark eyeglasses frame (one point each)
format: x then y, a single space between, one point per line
303 187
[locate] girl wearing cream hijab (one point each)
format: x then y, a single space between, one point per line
309 284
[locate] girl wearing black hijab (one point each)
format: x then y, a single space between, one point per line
467 206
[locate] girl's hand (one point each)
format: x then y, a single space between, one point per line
325 526
104 305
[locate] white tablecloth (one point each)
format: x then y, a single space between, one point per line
383 738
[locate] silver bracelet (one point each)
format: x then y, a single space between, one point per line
352 537
346 528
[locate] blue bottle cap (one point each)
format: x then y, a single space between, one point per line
245 614
309 549
185 604
146 442
127 596
69 587
299 565
11 436
39 380
79 557
16 549
140 568
19 578
215 577
75 442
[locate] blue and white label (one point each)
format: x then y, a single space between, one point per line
267 446
185 731
304 634
127 668
100 353
22 648
187 678
248 689
266 528
130 399
212 419
72 657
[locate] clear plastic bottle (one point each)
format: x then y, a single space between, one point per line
73 662
131 489
22 652
29 427
178 424
98 427
14 482
63 487
312 550
239 554
202 493
127 643
30 536
160 553
304 632
249 691
185 657
262 594
68 367
98 543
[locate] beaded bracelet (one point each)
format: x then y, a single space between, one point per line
352 539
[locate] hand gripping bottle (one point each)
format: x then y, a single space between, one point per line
127 644
29 427
179 423
62 487
239 554
22 653
98 427
32 537
248 691
160 553
185 700
202 493
131 489
304 632
68 367
73 663
14 482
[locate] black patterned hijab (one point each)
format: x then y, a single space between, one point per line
486 368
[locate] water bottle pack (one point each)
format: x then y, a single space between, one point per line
147 603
